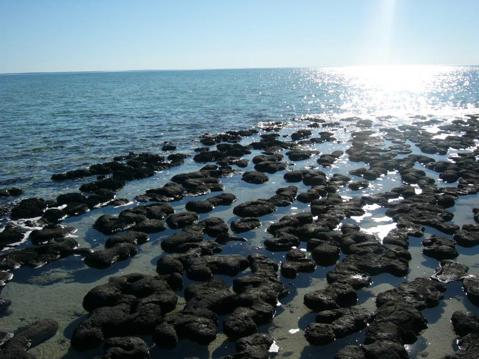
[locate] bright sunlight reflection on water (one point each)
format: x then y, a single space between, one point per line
398 90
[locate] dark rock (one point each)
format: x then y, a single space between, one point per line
11 234
468 236
131 237
36 256
327 160
109 224
465 323
301 134
256 208
168 146
106 257
296 261
214 227
4 304
240 323
181 220
336 323
126 348
468 346
168 264
319 334
53 215
169 192
314 178
223 199
333 296
446 201
245 224
199 329
202 268
49 232
439 248
299 155
255 177
129 305
396 322
255 346
449 176
270 166
421 293
355 186
10 192
5 277
294 176
150 226
284 196
37 332
325 254
372 258
28 208
72 197
284 242
199 206
165 336
182 241
471 287
450 271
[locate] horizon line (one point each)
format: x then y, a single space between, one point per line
229 68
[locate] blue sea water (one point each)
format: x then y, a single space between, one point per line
57 122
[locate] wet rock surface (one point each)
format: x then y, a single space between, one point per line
16 345
466 326
255 177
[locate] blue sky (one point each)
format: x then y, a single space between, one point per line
79 35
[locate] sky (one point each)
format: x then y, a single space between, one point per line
111 35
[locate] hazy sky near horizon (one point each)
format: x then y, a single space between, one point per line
87 35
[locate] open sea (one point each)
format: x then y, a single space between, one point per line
56 122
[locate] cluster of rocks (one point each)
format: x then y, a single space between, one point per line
328 159
124 168
206 180
130 305
229 137
48 244
397 321
260 207
140 305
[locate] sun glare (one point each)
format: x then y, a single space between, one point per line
393 78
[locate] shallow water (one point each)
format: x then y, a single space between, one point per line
57 122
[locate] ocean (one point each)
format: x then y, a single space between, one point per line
57 122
